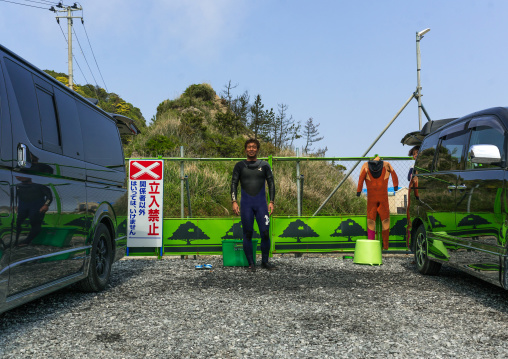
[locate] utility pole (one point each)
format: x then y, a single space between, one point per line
69 17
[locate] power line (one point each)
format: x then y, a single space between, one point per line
17 3
79 67
76 36
83 23
42 2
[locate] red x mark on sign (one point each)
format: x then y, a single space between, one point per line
145 170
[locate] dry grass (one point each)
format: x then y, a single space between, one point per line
209 186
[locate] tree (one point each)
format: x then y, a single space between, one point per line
257 120
240 106
226 94
188 232
268 123
349 229
228 122
284 128
311 134
298 229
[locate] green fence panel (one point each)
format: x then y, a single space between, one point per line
200 236
330 234
204 236
317 234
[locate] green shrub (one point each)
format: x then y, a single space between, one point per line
221 146
192 123
202 91
160 145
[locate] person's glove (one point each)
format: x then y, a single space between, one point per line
358 194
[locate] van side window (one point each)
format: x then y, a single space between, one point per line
22 82
100 138
426 154
49 122
487 135
451 151
70 127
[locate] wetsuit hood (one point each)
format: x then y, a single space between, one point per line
376 168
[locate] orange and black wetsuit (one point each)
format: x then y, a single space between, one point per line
376 174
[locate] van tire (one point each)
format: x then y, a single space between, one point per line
421 246
101 259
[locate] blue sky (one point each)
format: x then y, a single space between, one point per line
350 65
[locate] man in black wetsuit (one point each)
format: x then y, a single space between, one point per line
33 200
252 173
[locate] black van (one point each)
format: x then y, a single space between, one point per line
458 212
63 198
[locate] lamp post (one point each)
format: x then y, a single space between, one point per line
419 36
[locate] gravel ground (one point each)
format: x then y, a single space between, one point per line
310 307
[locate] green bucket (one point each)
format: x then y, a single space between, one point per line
368 251
233 254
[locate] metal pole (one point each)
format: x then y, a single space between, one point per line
69 40
188 196
298 198
365 154
301 193
419 36
182 184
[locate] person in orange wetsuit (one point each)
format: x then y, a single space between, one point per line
376 173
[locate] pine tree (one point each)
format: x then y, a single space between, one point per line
241 107
226 94
257 119
284 129
311 134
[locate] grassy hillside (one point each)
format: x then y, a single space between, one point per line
192 121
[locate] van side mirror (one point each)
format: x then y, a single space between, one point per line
24 156
484 154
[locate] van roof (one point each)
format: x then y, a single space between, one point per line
415 138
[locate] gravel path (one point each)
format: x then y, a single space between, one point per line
310 307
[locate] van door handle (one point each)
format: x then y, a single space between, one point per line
23 157
452 187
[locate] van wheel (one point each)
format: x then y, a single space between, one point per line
423 263
101 259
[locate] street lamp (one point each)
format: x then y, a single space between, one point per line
419 36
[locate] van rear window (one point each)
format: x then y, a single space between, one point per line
100 138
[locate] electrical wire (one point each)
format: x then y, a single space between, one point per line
105 86
76 36
79 67
17 3
44 2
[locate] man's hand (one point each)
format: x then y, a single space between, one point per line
271 206
236 208
44 208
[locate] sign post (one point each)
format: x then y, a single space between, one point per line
146 179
